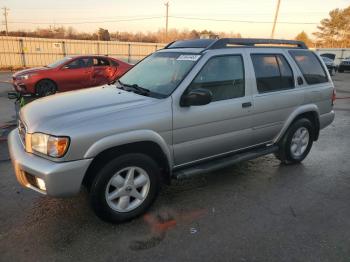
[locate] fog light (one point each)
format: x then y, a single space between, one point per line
41 184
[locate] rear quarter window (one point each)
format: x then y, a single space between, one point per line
310 66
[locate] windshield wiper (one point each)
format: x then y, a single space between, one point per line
136 88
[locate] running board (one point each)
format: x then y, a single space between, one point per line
216 164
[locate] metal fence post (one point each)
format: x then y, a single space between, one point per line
98 48
129 53
156 48
23 55
64 48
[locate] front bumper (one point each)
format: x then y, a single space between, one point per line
23 87
61 178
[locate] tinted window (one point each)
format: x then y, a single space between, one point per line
287 79
272 73
113 63
101 62
80 63
223 76
310 66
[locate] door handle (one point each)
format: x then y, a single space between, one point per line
246 104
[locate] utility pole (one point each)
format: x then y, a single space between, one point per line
275 20
5 13
166 21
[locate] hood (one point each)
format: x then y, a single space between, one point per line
63 110
31 71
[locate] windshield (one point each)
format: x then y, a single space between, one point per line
160 73
60 62
327 60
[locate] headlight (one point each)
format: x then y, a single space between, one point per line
25 77
53 146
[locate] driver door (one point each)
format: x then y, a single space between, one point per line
75 75
222 126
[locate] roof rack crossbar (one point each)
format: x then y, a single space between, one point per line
226 42
194 43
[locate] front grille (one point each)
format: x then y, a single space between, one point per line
22 131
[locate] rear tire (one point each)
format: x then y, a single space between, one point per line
45 87
297 142
125 187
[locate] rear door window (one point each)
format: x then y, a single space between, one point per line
310 66
272 72
101 62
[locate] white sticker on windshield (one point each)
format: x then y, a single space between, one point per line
188 57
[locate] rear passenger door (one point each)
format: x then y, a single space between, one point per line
276 95
222 126
103 71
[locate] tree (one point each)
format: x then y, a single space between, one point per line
103 35
335 30
305 38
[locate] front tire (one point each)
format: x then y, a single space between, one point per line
125 187
45 87
297 142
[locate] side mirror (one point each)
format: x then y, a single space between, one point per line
12 95
300 80
196 97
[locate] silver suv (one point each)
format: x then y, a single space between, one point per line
193 107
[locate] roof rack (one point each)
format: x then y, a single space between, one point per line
235 42
232 42
195 43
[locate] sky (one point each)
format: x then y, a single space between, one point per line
250 18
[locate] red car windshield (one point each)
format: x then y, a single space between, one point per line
60 62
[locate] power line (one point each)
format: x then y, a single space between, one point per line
85 22
242 21
5 13
275 19
160 17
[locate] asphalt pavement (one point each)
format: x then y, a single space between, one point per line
257 210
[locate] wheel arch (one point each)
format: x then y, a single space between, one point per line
49 79
148 143
308 111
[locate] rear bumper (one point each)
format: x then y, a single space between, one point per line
61 179
326 119
344 67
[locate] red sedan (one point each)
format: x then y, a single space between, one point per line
69 73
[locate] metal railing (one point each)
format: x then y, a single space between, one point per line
19 52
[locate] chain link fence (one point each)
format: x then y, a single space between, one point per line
20 52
